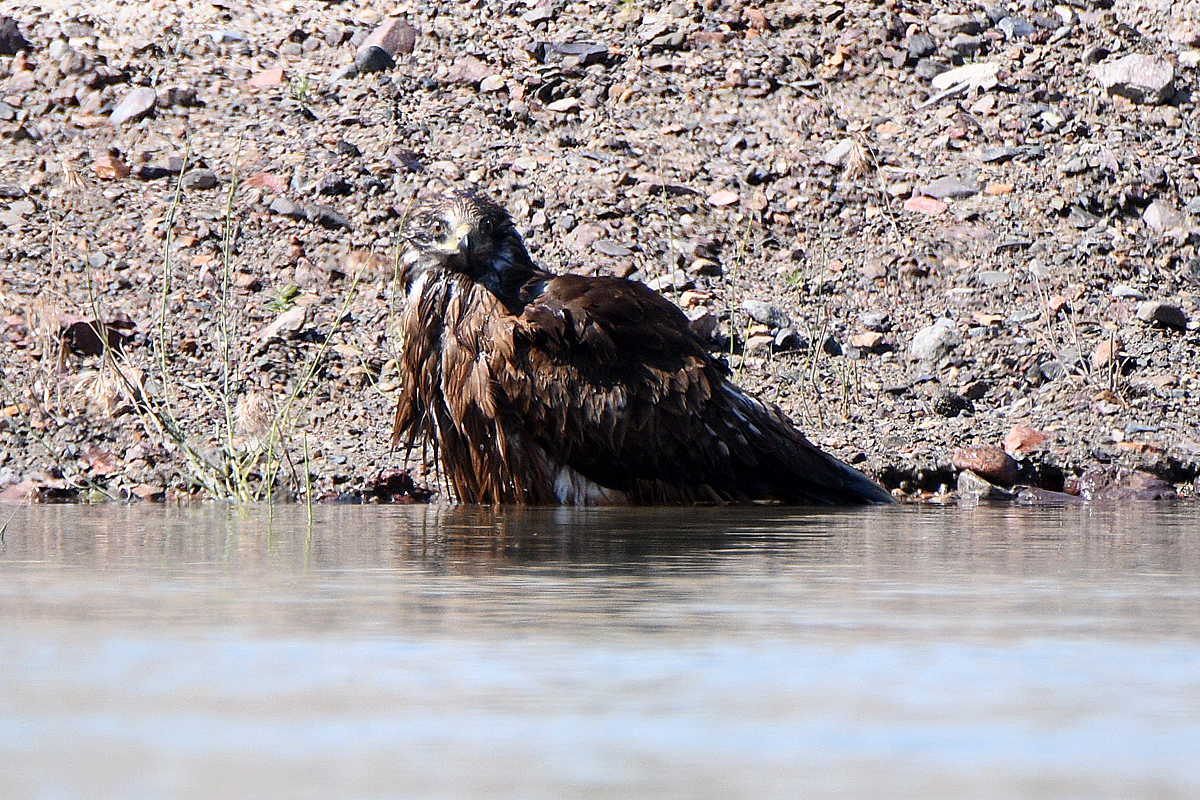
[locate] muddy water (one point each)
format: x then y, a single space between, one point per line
150 652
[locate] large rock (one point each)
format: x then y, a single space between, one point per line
934 341
1140 78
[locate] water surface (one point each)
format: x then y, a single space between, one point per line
435 652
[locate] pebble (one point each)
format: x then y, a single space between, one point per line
200 179
980 75
1016 28
1164 217
879 321
1162 314
492 83
949 189
136 104
934 341
373 59
929 206
990 463
950 404
11 39
973 489
287 325
1022 440
767 314
608 247
1139 78
468 69
285 207
394 36
870 341
722 198
326 217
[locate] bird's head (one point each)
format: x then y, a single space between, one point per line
467 233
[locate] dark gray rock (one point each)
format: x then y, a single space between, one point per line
200 179
373 58
326 217
1164 315
11 39
767 314
286 208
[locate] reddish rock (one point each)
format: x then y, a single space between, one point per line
1023 440
724 197
394 36
925 205
110 167
267 77
990 463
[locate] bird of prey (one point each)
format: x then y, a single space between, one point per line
542 388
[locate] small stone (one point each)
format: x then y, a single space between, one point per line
998 155
1126 292
980 75
990 463
1116 484
950 404
1016 28
266 78
373 59
929 206
879 321
871 341
469 69
949 188
1164 217
326 217
287 325
722 198
135 105
492 83
788 340
1139 78
1023 440
759 342
920 45
11 39
110 167
565 105
608 247
286 208
973 489
539 13
837 155
200 179
332 184
394 36
933 342
1107 353
1163 315
767 314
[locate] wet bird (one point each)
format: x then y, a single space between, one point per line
542 388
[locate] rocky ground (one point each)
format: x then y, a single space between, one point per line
949 239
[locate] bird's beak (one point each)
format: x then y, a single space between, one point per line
462 239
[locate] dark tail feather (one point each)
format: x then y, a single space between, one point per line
790 469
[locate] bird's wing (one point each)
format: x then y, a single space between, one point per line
608 377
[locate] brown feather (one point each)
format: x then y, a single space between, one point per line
537 388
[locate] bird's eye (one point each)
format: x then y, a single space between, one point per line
437 228
486 226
